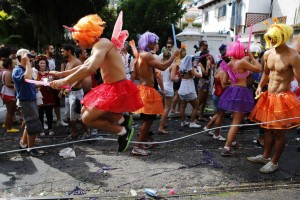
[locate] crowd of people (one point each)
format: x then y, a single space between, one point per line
103 89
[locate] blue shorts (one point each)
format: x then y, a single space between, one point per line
216 100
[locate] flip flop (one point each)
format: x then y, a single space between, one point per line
163 132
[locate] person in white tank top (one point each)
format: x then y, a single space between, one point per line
168 78
8 95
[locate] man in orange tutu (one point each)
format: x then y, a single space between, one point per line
104 104
144 72
278 103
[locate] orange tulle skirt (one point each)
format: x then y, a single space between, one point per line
272 107
151 99
117 97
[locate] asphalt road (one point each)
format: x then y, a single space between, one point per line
193 167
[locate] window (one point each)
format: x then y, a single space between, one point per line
222 11
206 17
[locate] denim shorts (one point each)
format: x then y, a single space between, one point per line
216 100
188 97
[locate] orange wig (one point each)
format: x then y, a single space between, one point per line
87 29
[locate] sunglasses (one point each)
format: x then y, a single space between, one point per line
169 47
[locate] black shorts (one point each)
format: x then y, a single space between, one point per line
56 98
147 117
176 85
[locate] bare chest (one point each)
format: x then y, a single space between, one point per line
278 63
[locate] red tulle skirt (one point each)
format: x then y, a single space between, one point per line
117 97
272 107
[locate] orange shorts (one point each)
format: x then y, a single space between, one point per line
271 107
151 99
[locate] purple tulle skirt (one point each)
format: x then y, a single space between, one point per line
237 99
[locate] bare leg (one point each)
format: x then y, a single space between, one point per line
11 109
57 112
24 138
218 122
237 119
182 110
279 145
194 104
175 101
95 118
31 140
202 97
163 119
144 131
269 141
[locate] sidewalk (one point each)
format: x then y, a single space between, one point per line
192 166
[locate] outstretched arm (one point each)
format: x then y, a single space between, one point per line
90 65
150 59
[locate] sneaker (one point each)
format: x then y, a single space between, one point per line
236 145
45 126
219 137
209 131
194 125
258 159
128 120
61 123
185 123
228 153
34 153
42 134
268 168
12 130
140 151
124 140
51 132
22 146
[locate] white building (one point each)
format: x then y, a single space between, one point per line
219 15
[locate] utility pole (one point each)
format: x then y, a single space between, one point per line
237 3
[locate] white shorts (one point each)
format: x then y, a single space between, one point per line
70 105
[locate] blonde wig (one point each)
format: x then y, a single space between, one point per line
279 34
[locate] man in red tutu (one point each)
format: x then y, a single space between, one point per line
278 103
104 104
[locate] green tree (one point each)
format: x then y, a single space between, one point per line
35 23
155 16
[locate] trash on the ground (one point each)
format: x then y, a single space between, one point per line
105 167
172 192
195 191
297 139
133 193
67 153
150 192
77 191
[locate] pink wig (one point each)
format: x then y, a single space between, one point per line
236 50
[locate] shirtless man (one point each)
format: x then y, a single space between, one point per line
76 92
278 103
145 71
104 104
